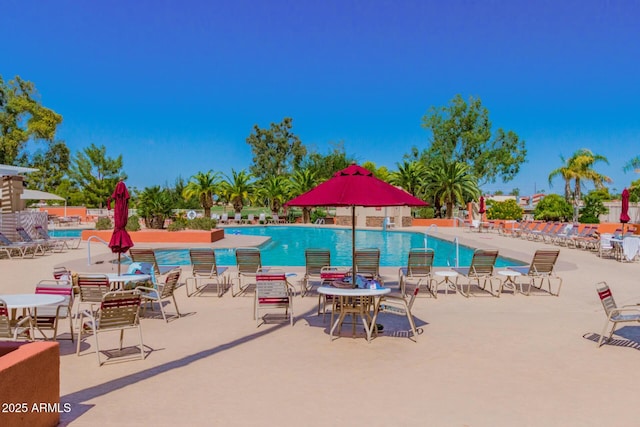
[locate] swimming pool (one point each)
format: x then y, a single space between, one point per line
287 245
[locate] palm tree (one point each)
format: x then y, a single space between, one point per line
154 206
275 190
451 183
203 186
633 164
409 176
567 173
237 188
582 163
302 181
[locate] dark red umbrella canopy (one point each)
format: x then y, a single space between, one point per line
355 186
624 215
120 239
483 208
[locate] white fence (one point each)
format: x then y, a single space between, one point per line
615 208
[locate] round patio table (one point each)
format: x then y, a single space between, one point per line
510 279
353 301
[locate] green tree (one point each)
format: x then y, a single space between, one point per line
275 191
634 191
177 195
52 164
451 183
276 151
302 181
509 209
203 185
553 207
632 164
409 176
238 188
515 192
579 168
154 205
379 172
593 207
323 166
23 118
567 173
462 132
95 174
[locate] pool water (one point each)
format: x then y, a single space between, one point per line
287 245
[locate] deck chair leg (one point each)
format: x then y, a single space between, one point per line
162 311
604 331
70 325
175 304
97 347
141 344
121 338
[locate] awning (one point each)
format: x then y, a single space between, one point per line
14 170
39 195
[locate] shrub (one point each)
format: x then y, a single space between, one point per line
426 213
509 209
553 208
104 223
177 224
316 214
202 224
593 208
133 223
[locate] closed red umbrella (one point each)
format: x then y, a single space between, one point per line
355 186
482 208
624 215
120 240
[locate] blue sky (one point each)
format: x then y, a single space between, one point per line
176 86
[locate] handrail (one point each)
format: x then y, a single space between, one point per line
426 234
459 220
89 246
455 240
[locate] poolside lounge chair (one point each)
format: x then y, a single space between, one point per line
262 218
367 263
419 267
205 268
44 244
315 261
163 292
237 218
615 315
541 267
68 242
538 231
480 270
250 219
48 317
21 248
118 311
388 223
224 219
8 330
248 261
397 305
272 292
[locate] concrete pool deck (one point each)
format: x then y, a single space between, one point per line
480 361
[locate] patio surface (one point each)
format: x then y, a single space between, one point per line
481 361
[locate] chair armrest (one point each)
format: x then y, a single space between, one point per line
625 309
145 290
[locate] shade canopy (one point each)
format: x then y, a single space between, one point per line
39 195
624 214
355 186
120 240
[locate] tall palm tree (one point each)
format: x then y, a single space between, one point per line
582 163
302 181
154 206
203 186
451 183
237 188
633 164
409 176
275 190
567 174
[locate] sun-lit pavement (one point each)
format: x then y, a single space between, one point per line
480 361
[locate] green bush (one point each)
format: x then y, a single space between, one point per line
178 224
316 214
509 209
133 223
104 223
426 213
202 224
593 208
553 208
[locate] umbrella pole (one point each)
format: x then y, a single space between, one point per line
119 254
353 245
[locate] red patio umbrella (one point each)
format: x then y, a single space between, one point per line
355 186
120 240
624 215
483 208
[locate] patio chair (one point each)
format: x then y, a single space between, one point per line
224 219
397 305
118 311
419 267
541 267
615 315
538 231
49 317
388 223
589 239
315 261
272 292
328 275
149 256
90 290
606 246
237 218
248 261
250 219
367 262
12 248
68 242
205 268
163 292
480 270
44 244
21 329
262 218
